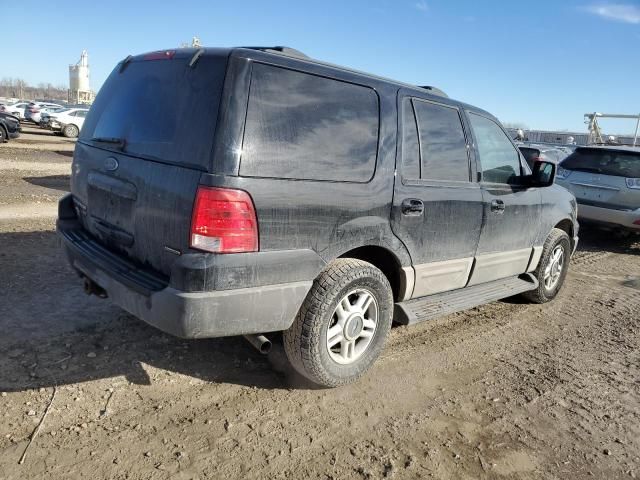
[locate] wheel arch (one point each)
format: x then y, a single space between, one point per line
387 262
566 225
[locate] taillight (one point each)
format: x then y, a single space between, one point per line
224 221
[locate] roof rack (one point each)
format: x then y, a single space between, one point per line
434 90
290 52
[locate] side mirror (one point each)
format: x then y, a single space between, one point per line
544 173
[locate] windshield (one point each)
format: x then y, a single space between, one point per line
605 162
159 109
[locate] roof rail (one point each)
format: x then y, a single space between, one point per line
290 52
434 90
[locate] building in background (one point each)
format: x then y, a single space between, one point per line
79 86
565 138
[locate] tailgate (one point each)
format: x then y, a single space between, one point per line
598 190
142 209
146 141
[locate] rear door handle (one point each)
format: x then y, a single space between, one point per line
412 207
497 206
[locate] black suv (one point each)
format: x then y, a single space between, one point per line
222 192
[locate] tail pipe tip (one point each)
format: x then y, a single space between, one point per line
92 288
260 343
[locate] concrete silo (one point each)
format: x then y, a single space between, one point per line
79 86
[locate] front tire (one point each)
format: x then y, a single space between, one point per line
342 325
553 267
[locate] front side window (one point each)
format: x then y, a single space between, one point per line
499 159
443 148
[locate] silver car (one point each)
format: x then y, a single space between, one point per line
606 183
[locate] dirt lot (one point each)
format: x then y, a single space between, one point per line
508 390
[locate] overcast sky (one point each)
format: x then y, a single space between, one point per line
542 63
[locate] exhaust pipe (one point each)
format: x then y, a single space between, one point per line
260 342
92 288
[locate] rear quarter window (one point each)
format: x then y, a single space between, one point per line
303 126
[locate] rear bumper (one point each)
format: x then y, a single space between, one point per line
203 314
610 217
190 314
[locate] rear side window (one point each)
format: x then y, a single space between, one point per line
604 162
303 126
443 148
499 158
162 109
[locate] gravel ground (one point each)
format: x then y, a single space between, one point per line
507 390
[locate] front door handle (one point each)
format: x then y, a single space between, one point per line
497 206
412 207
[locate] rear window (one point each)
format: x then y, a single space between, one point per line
605 162
163 109
304 126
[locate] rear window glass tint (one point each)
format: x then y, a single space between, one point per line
604 162
162 109
304 126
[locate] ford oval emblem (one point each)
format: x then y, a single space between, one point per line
111 164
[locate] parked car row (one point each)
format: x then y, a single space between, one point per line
65 119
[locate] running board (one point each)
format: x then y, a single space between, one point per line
440 304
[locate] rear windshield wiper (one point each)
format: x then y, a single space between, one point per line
120 142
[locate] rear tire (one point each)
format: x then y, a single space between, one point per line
4 137
552 268
70 131
342 325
